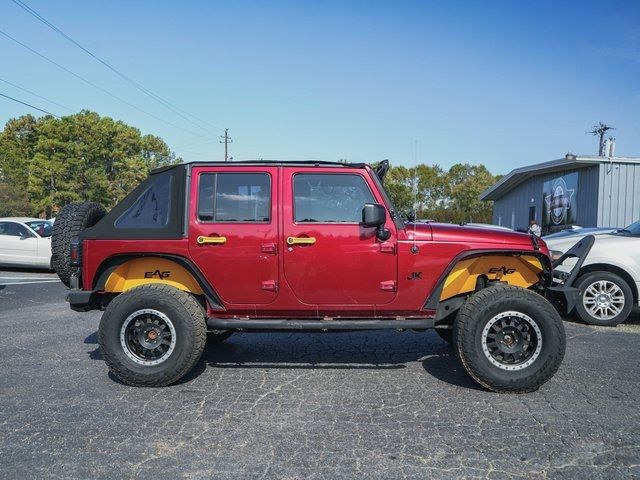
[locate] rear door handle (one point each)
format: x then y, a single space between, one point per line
301 240
202 240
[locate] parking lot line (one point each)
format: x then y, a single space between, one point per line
30 282
27 278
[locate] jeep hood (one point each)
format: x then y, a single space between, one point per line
445 232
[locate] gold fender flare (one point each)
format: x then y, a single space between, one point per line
146 270
521 271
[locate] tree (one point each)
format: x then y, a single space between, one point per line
81 157
17 145
422 185
13 203
451 196
465 183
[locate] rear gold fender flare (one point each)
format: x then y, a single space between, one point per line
151 270
122 272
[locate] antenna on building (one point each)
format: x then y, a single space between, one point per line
612 146
599 131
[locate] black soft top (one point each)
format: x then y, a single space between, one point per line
277 163
155 209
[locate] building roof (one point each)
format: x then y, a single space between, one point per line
570 161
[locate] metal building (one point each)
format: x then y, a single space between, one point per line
589 191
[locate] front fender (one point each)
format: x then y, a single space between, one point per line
460 276
623 262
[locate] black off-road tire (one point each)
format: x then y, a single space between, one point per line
70 221
493 302
186 316
621 285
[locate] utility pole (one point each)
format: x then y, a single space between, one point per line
226 140
599 131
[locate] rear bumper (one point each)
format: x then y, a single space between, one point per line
82 300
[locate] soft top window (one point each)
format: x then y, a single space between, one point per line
151 208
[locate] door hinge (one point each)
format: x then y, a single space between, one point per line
388 286
270 285
388 248
269 248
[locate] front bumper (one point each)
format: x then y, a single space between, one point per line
562 294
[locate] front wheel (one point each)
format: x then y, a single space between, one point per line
509 339
152 335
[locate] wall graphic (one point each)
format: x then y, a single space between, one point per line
559 206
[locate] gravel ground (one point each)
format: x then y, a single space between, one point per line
305 406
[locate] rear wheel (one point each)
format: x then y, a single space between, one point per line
152 335
605 299
509 339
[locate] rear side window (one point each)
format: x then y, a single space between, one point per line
234 197
151 208
330 198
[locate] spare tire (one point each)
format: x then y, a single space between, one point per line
70 221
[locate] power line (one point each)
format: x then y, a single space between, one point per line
177 110
35 94
200 154
197 143
28 105
107 92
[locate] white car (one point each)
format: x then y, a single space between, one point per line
578 233
609 279
25 242
488 225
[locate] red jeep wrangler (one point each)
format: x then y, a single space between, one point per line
215 248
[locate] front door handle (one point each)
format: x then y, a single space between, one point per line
202 240
301 240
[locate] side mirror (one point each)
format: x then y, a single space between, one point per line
375 215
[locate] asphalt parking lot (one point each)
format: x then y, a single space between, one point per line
304 406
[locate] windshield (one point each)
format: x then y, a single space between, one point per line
632 230
41 227
394 213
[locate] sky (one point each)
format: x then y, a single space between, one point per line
503 83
